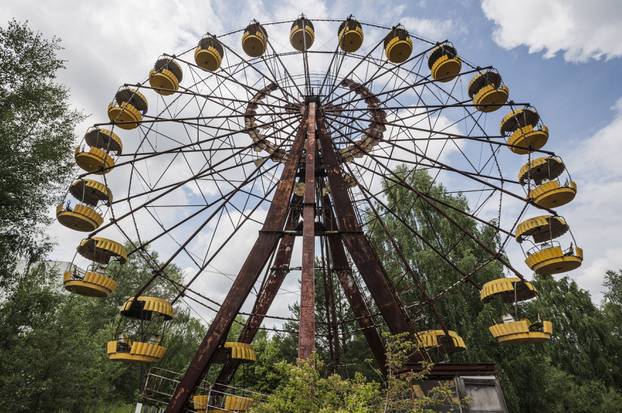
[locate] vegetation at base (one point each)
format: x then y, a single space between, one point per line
52 355
306 389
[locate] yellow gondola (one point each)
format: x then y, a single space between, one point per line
128 108
541 169
548 191
102 250
104 139
200 403
437 339
85 215
553 194
302 34
93 160
209 53
398 45
97 158
542 228
522 331
165 76
254 39
350 35
91 283
524 130
488 91
509 290
237 403
128 350
519 118
145 347
234 350
549 259
80 217
444 63
528 139
90 191
144 307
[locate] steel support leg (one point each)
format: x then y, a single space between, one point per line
306 330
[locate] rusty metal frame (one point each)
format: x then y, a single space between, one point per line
450 370
330 305
349 235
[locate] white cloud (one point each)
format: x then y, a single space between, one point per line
594 214
431 29
598 158
582 30
592 276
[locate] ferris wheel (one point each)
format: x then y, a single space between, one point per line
307 139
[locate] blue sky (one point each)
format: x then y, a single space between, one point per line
562 56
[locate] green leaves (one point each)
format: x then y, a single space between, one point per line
304 390
36 134
586 349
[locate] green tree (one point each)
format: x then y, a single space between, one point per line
612 305
36 131
583 354
305 389
264 375
52 343
612 309
583 342
50 358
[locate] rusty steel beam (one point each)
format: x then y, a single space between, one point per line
359 247
344 273
306 330
249 272
268 291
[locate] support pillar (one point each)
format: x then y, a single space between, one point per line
306 330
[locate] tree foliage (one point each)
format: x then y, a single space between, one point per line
306 389
37 132
52 354
583 353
